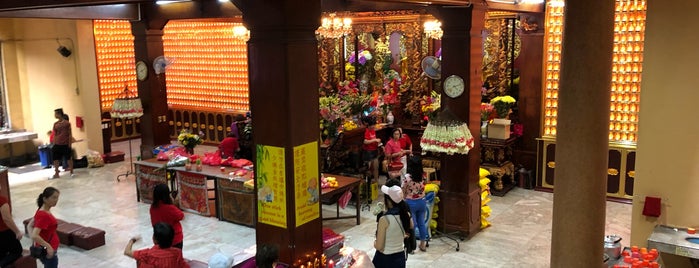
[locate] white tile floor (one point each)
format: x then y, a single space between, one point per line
520 234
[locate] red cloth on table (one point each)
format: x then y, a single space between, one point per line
652 206
171 215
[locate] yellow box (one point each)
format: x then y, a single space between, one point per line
374 190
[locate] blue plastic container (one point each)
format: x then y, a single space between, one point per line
45 155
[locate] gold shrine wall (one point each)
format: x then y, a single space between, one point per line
627 66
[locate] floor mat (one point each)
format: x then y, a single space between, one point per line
26 168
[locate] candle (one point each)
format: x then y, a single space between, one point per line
691 231
331 264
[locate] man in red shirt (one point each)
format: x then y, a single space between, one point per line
61 142
161 254
10 248
370 147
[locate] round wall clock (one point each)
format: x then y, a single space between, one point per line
141 70
453 86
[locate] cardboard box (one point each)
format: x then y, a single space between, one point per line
499 129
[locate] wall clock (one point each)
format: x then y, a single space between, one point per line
453 86
141 70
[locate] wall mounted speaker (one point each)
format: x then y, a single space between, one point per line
64 51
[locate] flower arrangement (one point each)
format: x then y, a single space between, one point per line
338 106
364 56
360 65
429 105
487 110
330 115
502 105
189 140
352 102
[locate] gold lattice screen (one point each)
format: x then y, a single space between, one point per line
209 69
629 28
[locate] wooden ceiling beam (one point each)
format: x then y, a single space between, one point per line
7 5
114 12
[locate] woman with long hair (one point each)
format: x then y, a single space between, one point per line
393 227
45 224
414 190
162 210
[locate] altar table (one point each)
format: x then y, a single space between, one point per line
332 194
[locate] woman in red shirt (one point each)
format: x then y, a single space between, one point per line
229 146
162 210
45 224
394 153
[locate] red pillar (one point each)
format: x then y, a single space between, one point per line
283 73
461 56
148 45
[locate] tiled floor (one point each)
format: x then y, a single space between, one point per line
520 234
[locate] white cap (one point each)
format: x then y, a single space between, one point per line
394 192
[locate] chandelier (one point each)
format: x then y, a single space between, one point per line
433 29
334 27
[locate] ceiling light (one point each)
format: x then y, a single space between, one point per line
165 2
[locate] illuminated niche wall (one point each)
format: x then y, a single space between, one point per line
115 59
209 69
629 29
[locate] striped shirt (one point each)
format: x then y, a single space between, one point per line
156 257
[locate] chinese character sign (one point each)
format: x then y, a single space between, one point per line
306 188
271 186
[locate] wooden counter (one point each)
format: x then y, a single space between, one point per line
333 194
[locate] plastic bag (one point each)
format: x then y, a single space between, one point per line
239 163
211 159
94 159
226 162
220 260
163 156
163 148
344 199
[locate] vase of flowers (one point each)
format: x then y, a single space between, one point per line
502 105
189 140
500 127
487 113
